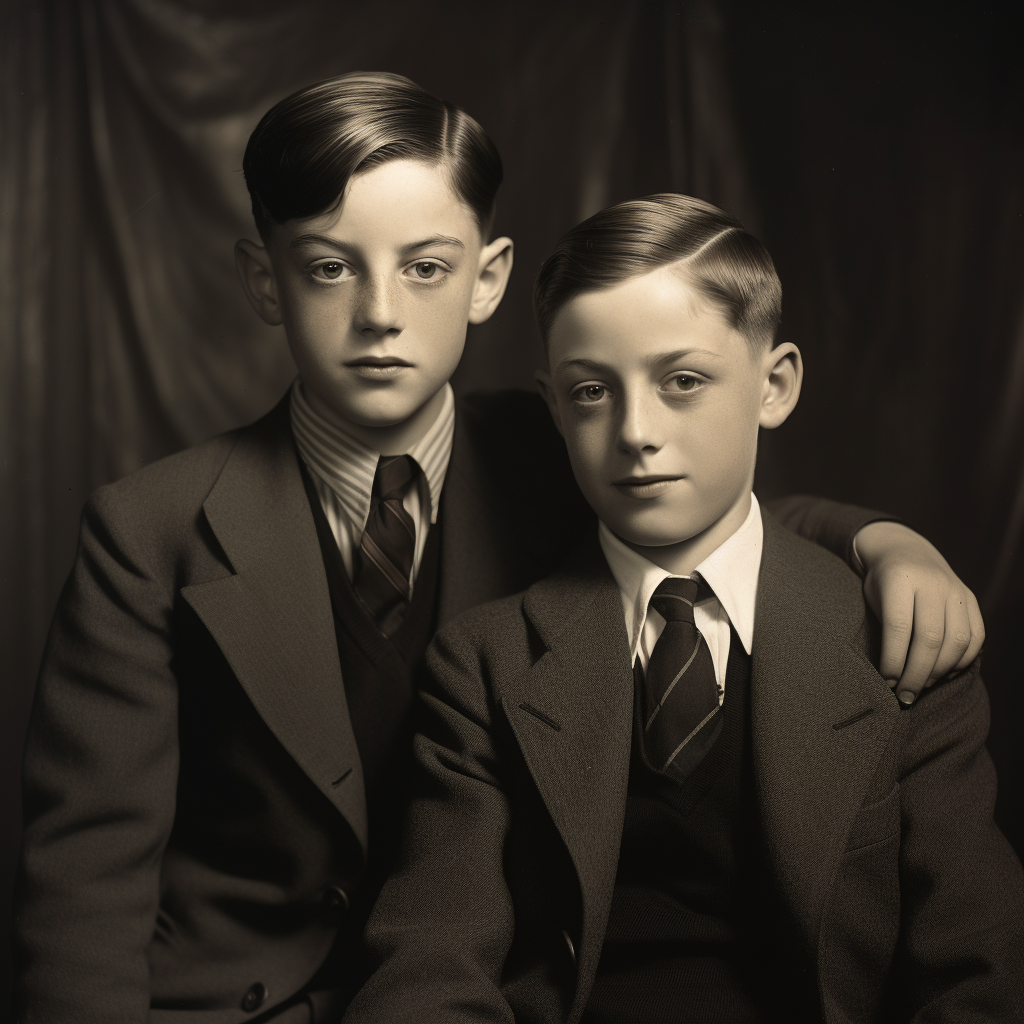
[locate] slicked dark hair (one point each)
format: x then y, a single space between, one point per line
305 149
723 262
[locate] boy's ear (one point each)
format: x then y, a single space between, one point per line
492 276
543 379
783 375
258 281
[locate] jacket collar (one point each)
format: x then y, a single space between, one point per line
272 619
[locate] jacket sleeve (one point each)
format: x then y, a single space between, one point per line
832 524
441 930
961 947
100 773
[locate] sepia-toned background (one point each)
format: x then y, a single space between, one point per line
878 150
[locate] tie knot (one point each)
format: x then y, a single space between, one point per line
674 599
393 475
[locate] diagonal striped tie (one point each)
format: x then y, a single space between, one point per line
384 566
680 692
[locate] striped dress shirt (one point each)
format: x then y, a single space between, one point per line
343 468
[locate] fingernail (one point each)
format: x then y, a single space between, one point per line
906 697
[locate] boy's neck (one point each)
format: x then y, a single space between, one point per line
394 439
682 558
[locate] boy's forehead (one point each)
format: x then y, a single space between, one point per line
400 201
645 311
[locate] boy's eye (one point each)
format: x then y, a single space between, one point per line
426 271
684 383
332 270
589 393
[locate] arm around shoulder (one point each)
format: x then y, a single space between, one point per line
100 774
931 622
832 524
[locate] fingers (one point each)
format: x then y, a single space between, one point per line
926 642
956 640
977 624
931 624
896 613
940 646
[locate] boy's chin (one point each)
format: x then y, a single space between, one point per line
665 530
647 536
381 411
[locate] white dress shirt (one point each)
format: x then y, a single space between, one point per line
731 571
343 468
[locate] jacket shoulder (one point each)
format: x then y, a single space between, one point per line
493 625
181 479
817 587
157 511
521 464
515 428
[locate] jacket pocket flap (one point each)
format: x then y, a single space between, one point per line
876 822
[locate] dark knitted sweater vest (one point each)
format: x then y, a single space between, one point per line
379 675
680 943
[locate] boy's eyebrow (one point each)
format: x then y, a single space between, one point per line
585 364
300 240
336 243
682 353
653 360
435 240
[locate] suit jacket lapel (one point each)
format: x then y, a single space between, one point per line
572 716
272 619
821 719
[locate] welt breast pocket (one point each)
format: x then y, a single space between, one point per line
860 929
876 822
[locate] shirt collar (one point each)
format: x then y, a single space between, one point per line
348 466
731 571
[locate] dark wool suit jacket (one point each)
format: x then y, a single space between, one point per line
195 812
902 899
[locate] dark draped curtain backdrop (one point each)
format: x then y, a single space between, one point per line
876 148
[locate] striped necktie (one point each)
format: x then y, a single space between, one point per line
680 692
388 545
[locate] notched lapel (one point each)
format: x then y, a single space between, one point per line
572 716
272 620
821 718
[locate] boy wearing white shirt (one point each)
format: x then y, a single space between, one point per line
730 572
719 812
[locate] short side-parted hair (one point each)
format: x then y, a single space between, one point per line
305 149
722 261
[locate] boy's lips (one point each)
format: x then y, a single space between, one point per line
644 486
377 367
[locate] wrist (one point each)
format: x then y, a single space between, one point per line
876 540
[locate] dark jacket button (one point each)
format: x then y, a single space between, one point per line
255 997
336 900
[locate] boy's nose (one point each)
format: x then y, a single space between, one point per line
377 311
637 428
